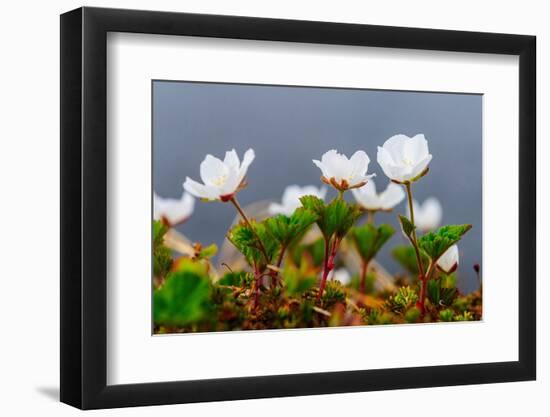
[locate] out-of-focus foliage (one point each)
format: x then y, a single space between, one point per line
184 298
369 239
162 256
207 252
442 292
406 257
312 253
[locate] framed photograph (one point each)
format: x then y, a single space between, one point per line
257 208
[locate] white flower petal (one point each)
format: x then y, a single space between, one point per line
416 148
213 171
188 202
385 161
359 163
344 171
291 194
449 260
334 164
362 178
403 158
341 275
231 160
231 184
427 216
366 196
369 189
320 165
200 190
391 196
420 166
433 212
248 157
275 208
291 198
396 147
173 210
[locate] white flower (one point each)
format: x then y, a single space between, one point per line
171 210
341 275
368 198
448 262
343 173
222 179
428 215
291 198
404 159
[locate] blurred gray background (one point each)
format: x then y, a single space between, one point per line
289 126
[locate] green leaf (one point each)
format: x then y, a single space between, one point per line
407 227
344 216
448 280
412 315
465 316
182 300
208 252
436 243
369 239
434 291
159 230
335 218
313 251
236 279
162 261
313 203
446 315
296 283
402 300
252 242
287 230
439 295
197 267
370 280
406 257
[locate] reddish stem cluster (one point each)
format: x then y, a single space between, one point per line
330 255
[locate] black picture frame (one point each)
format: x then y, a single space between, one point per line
84 207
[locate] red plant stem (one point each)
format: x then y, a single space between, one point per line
274 274
364 267
326 270
328 264
421 304
280 258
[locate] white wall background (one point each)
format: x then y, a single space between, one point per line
29 178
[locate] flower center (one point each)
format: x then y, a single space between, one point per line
218 182
408 162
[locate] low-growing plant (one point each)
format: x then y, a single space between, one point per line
294 257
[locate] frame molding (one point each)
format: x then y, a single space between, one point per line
84 207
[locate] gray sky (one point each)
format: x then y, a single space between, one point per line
289 126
